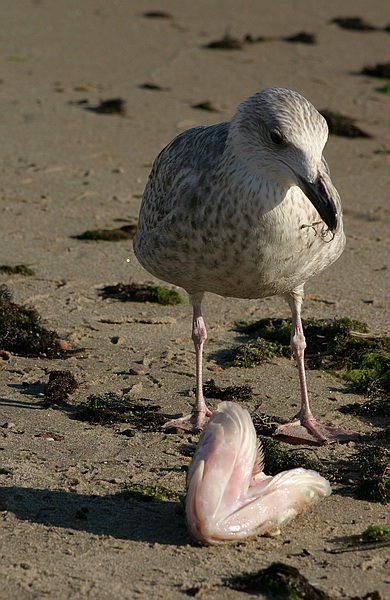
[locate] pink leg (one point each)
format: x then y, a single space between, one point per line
200 413
304 427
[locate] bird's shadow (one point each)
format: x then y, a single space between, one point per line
160 522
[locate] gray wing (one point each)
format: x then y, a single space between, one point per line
180 170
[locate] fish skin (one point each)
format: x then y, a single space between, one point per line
229 497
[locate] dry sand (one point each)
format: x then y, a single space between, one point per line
65 169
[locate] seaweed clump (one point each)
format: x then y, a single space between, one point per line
373 533
149 493
373 465
303 37
342 347
206 105
341 125
380 70
227 42
17 270
385 89
256 352
354 24
111 408
21 331
136 292
60 386
278 580
372 408
127 232
243 393
277 459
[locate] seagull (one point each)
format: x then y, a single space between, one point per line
246 209
229 497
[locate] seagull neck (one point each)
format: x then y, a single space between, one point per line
250 183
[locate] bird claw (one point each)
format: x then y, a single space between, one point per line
310 431
192 423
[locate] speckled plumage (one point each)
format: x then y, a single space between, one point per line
219 213
245 208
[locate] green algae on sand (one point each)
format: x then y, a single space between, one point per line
111 408
149 493
136 292
342 347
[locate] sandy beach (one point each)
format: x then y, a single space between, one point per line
67 167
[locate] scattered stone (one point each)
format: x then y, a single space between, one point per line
50 437
137 370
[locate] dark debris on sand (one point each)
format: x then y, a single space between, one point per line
111 408
137 292
21 331
127 232
206 105
242 393
17 270
380 70
157 14
60 386
354 24
343 126
342 347
372 464
148 493
227 42
303 37
111 106
277 581
153 87
278 458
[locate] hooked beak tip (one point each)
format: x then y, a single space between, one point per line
321 195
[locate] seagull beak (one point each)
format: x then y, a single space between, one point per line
322 196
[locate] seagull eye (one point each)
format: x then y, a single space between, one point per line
276 137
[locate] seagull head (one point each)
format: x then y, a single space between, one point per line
280 130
